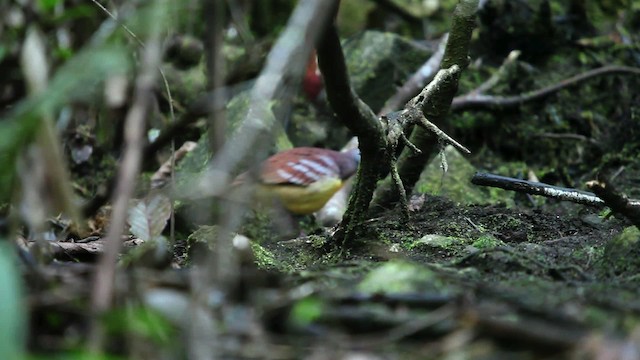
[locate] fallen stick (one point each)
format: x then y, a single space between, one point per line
537 188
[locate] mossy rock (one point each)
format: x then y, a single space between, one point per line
435 241
622 254
196 161
380 62
204 238
487 242
455 184
185 84
402 277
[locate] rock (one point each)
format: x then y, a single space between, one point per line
455 184
380 62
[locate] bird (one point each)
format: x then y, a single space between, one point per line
303 179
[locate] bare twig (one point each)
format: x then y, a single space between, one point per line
159 178
435 107
477 100
576 137
134 134
605 194
396 123
508 63
537 188
359 118
214 19
91 207
444 138
285 62
418 80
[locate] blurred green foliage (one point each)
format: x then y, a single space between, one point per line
140 321
12 305
77 80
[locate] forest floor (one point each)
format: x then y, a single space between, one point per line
479 280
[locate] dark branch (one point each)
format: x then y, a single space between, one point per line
435 107
537 188
360 119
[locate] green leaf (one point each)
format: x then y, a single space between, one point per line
306 311
140 321
48 5
12 311
77 80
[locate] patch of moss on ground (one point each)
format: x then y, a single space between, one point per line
436 241
487 242
455 183
621 255
266 260
402 277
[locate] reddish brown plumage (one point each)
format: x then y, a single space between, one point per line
304 165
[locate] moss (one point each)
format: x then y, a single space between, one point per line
454 183
259 227
377 60
265 259
400 277
206 236
436 241
622 254
487 242
185 84
352 17
588 254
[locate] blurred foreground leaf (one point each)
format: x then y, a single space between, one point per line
12 312
77 80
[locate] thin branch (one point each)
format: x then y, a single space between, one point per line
428 125
537 188
477 100
509 62
124 26
576 137
285 62
435 107
214 20
360 119
102 294
93 205
396 123
418 80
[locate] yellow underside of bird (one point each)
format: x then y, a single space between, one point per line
302 200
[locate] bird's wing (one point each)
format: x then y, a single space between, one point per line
299 166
